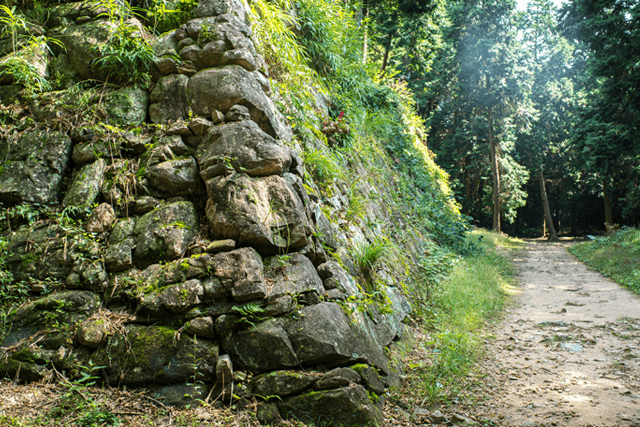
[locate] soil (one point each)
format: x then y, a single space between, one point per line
566 354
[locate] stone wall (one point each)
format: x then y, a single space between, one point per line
189 252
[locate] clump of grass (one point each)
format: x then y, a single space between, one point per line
476 291
366 257
325 166
616 256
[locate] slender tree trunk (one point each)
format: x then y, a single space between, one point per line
387 50
544 225
553 237
495 169
365 50
608 212
387 46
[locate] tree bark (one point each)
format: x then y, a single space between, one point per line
495 169
387 47
608 212
365 49
553 237
385 58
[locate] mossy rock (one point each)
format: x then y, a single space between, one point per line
157 355
164 234
347 406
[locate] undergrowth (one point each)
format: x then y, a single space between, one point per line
616 256
474 292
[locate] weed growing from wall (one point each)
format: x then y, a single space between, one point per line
127 55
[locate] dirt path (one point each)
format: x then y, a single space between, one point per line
568 353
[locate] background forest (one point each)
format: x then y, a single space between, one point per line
523 103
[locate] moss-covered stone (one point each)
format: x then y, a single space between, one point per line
348 406
85 187
157 355
128 106
164 234
34 167
248 347
283 383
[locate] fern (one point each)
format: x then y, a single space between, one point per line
251 309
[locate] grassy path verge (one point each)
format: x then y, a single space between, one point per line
616 256
450 340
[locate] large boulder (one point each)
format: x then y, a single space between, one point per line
99 145
128 106
221 88
243 146
169 170
40 335
336 277
348 406
291 274
47 251
240 272
85 186
283 383
119 253
322 333
169 100
265 213
164 234
208 8
265 347
83 43
33 167
157 355
179 177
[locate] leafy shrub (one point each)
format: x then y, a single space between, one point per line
165 15
336 130
127 56
366 257
325 166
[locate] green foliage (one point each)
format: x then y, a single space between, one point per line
250 309
8 291
325 166
337 131
28 50
79 402
474 292
127 56
12 23
366 257
331 36
165 15
616 256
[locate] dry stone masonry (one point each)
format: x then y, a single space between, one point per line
189 250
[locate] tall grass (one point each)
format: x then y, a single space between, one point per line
475 292
616 256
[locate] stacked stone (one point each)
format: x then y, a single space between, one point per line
251 293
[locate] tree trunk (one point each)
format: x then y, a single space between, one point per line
495 169
608 212
365 49
385 58
387 46
553 237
